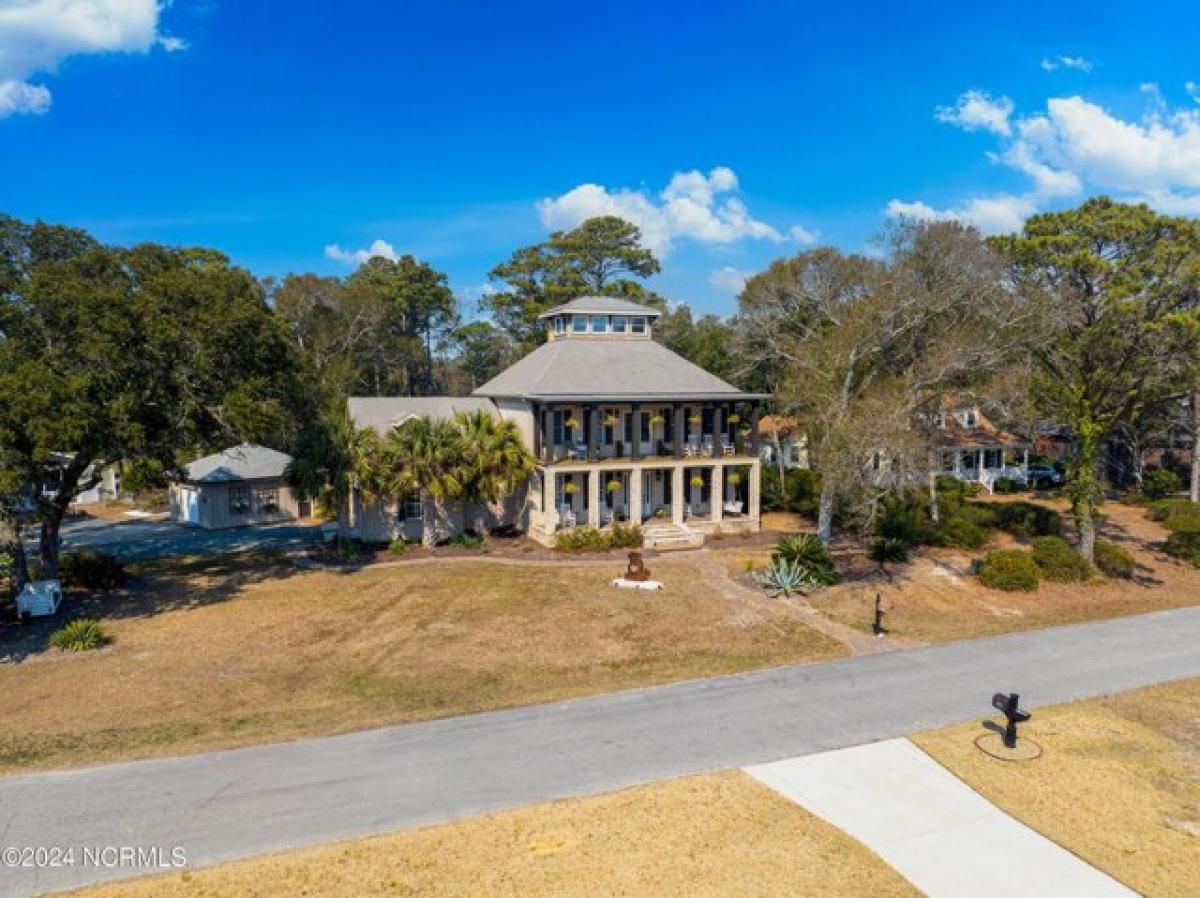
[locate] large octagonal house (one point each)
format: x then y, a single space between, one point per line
623 430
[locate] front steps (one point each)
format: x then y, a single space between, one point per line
665 536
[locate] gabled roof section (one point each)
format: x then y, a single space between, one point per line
382 413
244 462
601 305
607 370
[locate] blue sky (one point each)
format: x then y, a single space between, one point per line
293 136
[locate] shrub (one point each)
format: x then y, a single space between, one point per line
90 569
1113 560
1027 520
1059 561
1162 509
961 533
971 490
346 549
905 516
1012 570
468 539
949 485
885 550
1158 483
1183 522
810 554
800 490
398 546
80 635
1006 485
625 536
783 578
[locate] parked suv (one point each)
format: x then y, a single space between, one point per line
1043 477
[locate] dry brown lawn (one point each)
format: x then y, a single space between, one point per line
1118 783
217 653
722 834
936 598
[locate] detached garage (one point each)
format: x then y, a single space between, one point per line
240 486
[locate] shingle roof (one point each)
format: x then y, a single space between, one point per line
610 305
382 413
244 462
612 370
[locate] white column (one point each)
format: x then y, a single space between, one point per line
593 488
677 494
755 497
635 496
716 493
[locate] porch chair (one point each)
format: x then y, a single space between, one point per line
733 508
566 516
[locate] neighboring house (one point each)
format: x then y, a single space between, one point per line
622 429
243 485
784 432
106 489
973 448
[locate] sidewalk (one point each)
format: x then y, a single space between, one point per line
938 833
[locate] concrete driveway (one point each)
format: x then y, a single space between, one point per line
145 540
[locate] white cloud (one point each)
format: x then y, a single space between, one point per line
728 279
693 205
36 35
1067 62
1076 146
1193 90
975 110
358 256
803 235
18 98
1001 214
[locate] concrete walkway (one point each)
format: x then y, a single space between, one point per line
231 804
939 834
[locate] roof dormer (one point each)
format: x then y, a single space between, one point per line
600 317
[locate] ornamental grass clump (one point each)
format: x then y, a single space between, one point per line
82 635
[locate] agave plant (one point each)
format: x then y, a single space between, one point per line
810 554
784 578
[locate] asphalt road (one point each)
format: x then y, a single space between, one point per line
144 540
248 801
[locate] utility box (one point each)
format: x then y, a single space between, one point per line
40 598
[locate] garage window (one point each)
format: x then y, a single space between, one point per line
239 500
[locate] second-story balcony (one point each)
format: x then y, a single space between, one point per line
636 432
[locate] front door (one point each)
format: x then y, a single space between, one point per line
647 494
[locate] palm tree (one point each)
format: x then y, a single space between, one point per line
332 458
428 455
496 460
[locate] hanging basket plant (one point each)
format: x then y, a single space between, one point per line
610 421
613 486
697 481
655 420
693 419
570 489
571 424
734 418
734 478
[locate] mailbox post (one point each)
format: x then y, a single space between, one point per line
1007 705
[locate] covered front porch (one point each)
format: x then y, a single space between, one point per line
986 465
705 497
